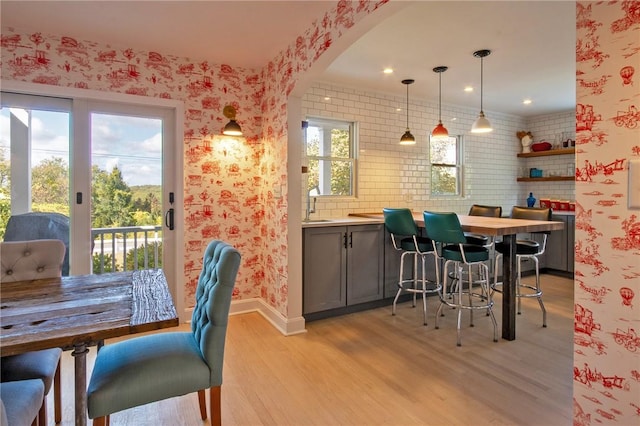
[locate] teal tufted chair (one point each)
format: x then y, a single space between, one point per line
150 368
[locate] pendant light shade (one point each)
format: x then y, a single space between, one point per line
440 132
407 138
481 125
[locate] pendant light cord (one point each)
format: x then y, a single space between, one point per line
407 106
440 99
481 82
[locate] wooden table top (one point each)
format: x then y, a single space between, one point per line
493 226
61 312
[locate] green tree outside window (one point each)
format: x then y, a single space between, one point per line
330 148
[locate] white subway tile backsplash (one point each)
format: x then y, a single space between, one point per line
394 175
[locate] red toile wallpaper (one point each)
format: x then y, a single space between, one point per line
606 370
228 183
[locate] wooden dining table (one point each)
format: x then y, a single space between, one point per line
506 228
76 312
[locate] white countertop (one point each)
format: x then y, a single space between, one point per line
340 221
355 220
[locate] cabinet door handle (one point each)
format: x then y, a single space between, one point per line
344 238
351 239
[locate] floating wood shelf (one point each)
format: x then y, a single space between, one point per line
563 151
547 179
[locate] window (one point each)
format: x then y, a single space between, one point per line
445 157
330 151
121 164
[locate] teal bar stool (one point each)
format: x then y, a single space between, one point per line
450 244
479 239
406 239
526 249
486 211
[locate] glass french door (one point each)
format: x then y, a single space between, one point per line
104 165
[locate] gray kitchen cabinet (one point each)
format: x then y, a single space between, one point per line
571 242
559 254
343 266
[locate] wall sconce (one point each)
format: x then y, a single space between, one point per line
232 128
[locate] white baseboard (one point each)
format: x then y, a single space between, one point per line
286 326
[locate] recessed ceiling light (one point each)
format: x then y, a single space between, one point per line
388 71
527 101
398 109
468 89
326 98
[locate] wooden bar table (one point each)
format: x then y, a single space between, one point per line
76 312
506 228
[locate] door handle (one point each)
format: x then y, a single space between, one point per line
168 219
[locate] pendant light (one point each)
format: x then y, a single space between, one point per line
440 132
407 138
481 125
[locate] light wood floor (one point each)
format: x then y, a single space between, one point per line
371 368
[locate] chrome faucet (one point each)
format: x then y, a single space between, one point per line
310 210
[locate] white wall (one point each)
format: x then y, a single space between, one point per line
546 128
391 175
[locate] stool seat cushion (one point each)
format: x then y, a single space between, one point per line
146 369
31 365
20 402
476 239
472 253
424 244
523 247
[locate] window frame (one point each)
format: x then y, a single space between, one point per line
458 166
330 123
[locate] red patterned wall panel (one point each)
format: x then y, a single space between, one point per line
606 345
228 183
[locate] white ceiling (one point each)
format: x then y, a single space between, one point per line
532 42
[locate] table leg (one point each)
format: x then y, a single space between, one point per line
509 278
80 354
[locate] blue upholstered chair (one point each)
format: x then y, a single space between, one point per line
20 402
25 261
406 240
163 365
